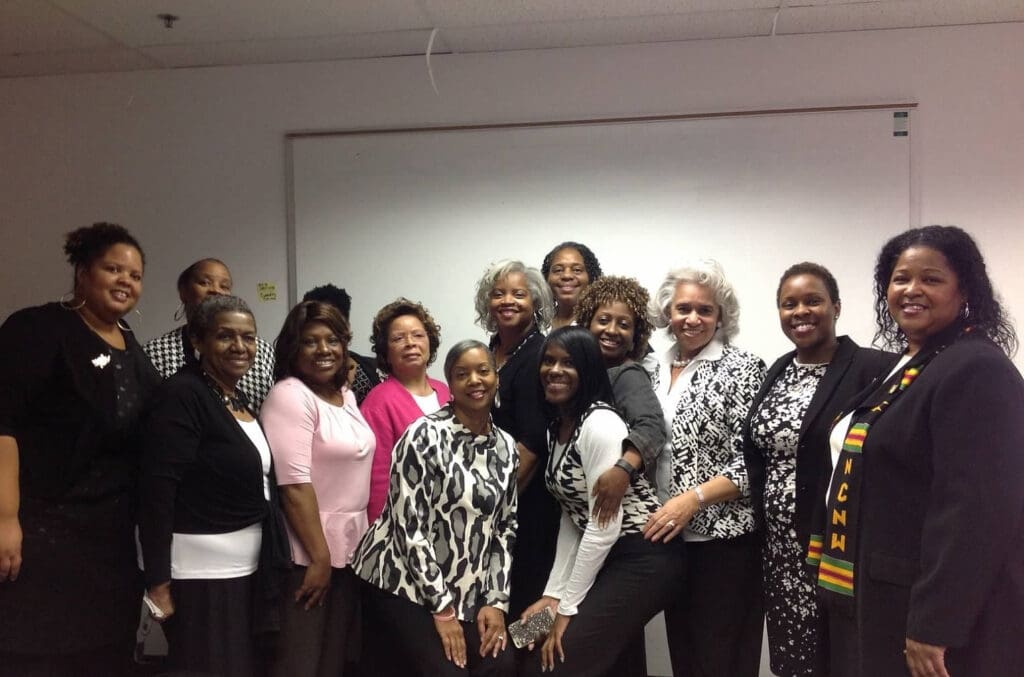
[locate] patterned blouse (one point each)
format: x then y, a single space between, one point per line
445 536
706 435
168 355
775 427
571 472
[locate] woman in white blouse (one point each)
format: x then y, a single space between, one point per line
437 560
323 450
607 581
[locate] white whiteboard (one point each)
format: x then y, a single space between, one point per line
422 213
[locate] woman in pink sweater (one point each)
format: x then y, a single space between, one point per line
405 339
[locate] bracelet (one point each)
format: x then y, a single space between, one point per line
625 466
700 497
442 617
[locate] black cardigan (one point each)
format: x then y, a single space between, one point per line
852 369
201 474
79 586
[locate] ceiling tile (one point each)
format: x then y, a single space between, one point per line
897 14
35 26
478 13
610 31
74 61
361 46
135 22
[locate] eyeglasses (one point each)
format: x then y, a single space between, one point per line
397 339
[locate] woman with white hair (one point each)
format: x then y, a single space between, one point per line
513 303
705 386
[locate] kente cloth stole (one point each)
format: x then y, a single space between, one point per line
835 552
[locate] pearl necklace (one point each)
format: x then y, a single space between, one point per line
681 363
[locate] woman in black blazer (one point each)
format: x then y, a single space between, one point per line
921 552
785 445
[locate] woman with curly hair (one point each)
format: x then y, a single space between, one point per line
920 547
73 382
568 269
705 386
405 339
614 309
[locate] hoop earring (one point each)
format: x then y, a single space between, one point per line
179 314
63 301
122 325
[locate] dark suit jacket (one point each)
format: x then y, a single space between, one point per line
941 526
852 368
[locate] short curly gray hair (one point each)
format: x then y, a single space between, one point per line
540 293
707 273
203 319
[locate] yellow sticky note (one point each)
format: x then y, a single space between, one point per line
267 291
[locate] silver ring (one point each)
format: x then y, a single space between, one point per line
501 636
671 524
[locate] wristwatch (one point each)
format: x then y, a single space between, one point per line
626 466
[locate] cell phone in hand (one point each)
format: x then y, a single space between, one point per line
154 611
532 628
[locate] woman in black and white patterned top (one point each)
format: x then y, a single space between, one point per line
173 350
786 451
437 560
606 581
705 386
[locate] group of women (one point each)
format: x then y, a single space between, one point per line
360 516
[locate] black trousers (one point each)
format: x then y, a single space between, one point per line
634 584
715 626
393 624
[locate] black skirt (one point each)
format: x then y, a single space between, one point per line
210 632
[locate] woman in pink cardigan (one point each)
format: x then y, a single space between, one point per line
405 340
322 449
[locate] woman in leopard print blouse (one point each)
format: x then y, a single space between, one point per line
606 581
437 560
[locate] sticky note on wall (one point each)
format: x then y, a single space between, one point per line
267 291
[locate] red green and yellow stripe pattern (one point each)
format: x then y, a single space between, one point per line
836 575
908 377
814 549
854 441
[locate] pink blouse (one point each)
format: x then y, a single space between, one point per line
329 446
389 409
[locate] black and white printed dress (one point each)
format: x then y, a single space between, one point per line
789 596
446 534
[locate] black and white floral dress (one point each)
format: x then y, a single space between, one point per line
789 595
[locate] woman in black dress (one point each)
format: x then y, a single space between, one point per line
514 303
785 445
72 382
